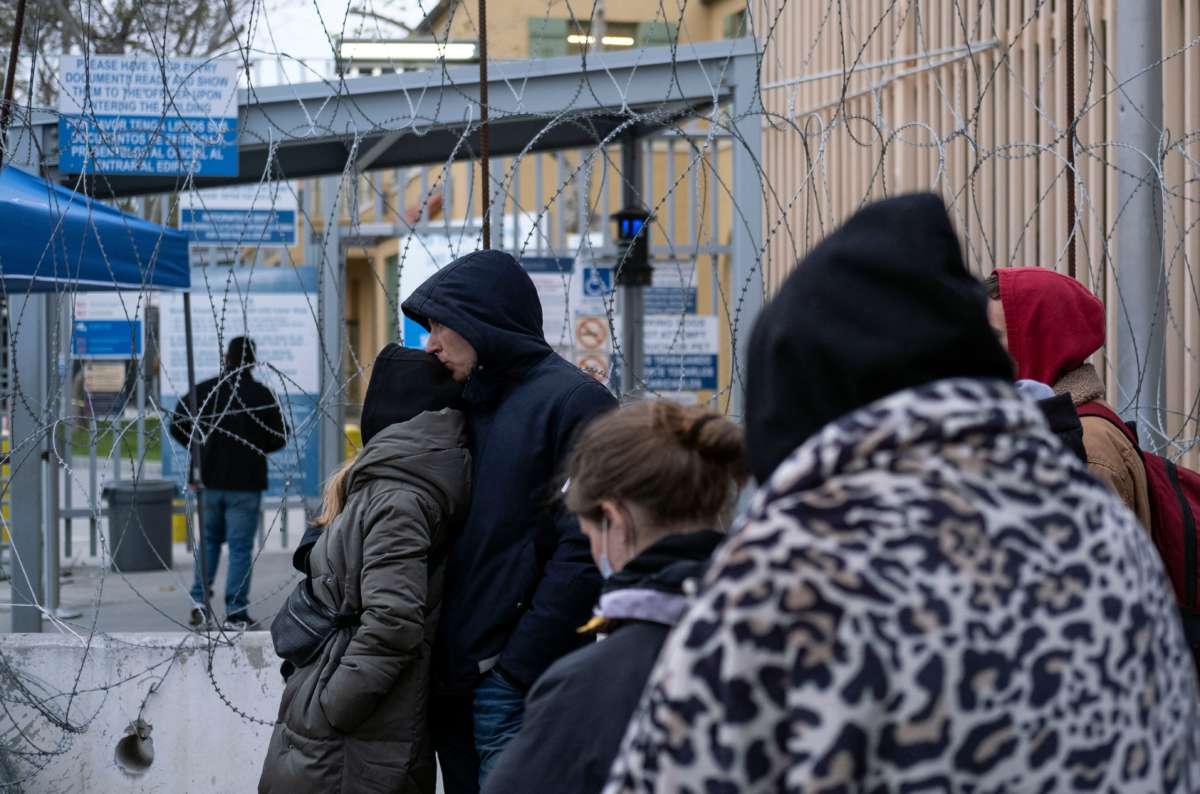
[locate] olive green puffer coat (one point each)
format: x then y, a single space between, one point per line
356 718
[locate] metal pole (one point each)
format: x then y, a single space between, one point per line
195 483
118 440
633 307
93 476
485 189
57 480
1072 213
747 266
139 360
68 408
1141 286
284 504
330 310
141 417
49 471
27 319
10 78
633 340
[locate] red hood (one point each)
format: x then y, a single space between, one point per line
1054 323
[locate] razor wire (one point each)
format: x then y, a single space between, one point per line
855 101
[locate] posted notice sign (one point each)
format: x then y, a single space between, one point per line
108 325
134 114
276 307
681 352
251 215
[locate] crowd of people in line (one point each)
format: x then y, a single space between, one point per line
925 561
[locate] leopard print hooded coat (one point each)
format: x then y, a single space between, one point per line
930 595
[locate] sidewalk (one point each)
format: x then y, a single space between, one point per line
153 600
157 600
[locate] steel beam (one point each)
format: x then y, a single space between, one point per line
417 117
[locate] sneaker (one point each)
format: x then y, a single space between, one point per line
200 618
239 621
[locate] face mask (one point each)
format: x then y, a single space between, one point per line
605 566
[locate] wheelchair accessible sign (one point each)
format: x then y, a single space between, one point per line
132 114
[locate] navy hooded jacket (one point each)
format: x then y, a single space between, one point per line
520 577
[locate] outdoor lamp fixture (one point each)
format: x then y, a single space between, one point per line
633 247
607 41
407 50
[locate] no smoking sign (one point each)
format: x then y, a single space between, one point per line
591 333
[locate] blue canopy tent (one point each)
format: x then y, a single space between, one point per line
57 240
53 239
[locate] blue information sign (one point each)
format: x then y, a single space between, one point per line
107 325
107 339
134 114
670 300
239 226
680 372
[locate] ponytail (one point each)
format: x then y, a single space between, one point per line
678 464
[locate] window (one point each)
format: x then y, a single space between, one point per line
736 25
553 37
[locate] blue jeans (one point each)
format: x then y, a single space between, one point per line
470 730
229 517
499 711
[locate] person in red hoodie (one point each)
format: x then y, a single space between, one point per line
1051 325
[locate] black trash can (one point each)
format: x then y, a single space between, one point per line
139 524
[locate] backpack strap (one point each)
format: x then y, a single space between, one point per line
1101 411
1189 533
1185 511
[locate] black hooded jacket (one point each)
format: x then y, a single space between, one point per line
889 292
578 711
520 578
240 424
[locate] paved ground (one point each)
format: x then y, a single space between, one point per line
155 600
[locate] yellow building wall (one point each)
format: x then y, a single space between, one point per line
508 25
986 130
508 37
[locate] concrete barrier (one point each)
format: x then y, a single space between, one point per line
190 737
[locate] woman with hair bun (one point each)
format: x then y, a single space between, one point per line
650 484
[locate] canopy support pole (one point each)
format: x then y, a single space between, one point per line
195 484
54 302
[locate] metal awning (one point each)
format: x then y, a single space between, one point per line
419 118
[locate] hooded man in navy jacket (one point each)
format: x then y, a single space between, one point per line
520 577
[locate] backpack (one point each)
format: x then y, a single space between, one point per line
1174 507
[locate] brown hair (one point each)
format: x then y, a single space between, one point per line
333 500
678 464
992 283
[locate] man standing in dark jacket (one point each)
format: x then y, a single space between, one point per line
520 578
239 425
